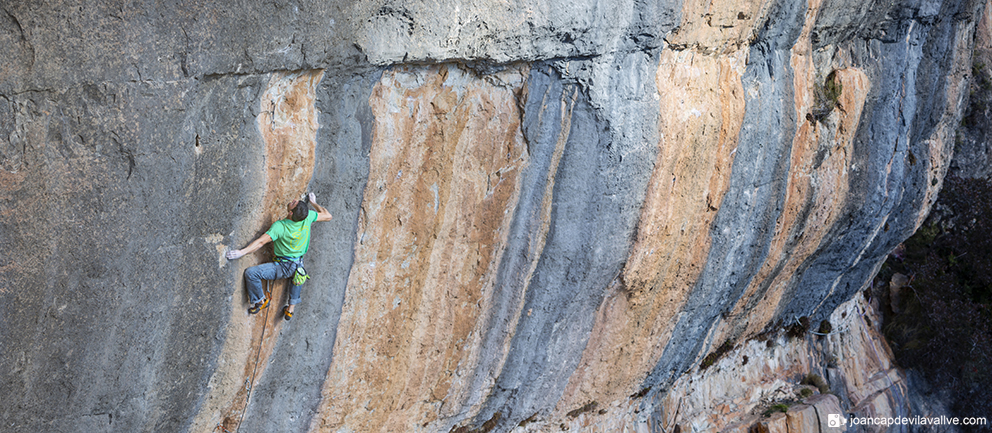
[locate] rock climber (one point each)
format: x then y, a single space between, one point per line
290 239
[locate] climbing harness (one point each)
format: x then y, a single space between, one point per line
300 275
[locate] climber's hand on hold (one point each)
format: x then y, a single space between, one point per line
234 254
312 197
322 213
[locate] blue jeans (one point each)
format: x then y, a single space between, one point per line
271 271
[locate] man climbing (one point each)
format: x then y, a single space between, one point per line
290 239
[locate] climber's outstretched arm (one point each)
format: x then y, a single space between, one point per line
322 213
251 248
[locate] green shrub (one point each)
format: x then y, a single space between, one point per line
825 327
713 357
817 381
826 97
799 328
779 407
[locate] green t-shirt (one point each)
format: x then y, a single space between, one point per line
291 238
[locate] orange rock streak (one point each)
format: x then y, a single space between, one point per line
702 108
288 125
447 151
817 187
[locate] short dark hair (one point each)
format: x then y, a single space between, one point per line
301 211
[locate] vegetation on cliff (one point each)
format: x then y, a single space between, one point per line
939 319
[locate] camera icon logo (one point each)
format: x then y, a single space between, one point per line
835 420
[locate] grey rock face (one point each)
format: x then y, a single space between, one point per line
598 177
111 222
392 32
972 146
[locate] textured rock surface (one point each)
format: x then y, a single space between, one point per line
740 389
546 214
972 145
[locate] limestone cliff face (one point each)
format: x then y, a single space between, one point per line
547 215
972 143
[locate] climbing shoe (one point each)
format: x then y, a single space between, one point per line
286 314
259 306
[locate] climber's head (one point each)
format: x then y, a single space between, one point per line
298 210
